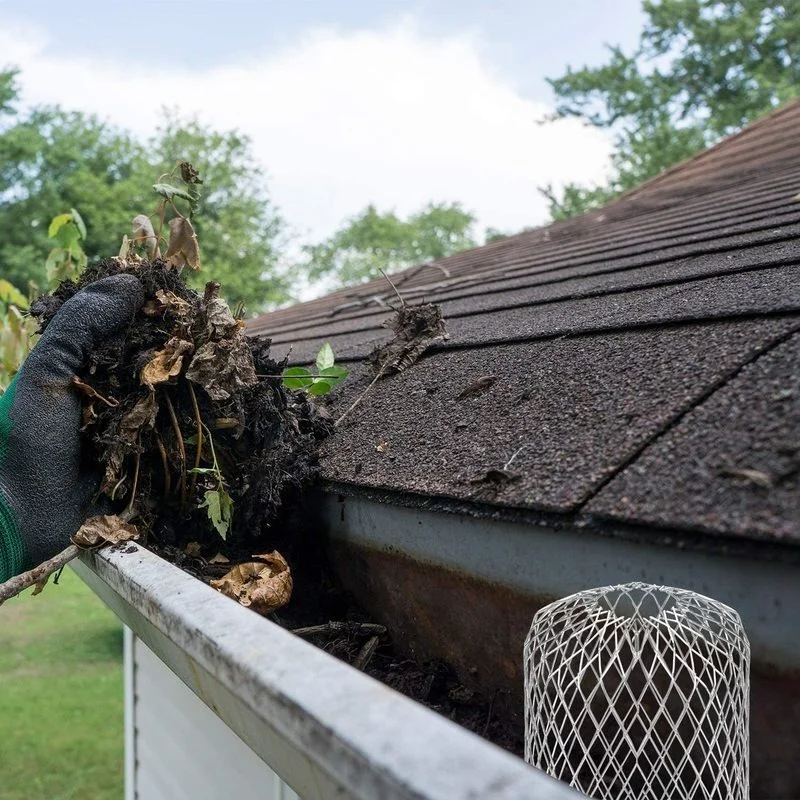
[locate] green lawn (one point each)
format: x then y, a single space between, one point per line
61 726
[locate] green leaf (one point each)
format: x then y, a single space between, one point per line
10 294
320 387
68 236
325 358
220 509
334 374
168 191
57 223
297 378
78 220
55 257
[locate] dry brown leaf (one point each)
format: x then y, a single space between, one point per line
100 530
166 363
222 368
140 419
192 549
265 585
171 301
143 233
183 249
219 559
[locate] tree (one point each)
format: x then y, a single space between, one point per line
52 160
371 242
702 70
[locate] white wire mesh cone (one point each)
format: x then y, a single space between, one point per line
639 692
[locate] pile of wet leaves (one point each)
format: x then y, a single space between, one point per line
199 443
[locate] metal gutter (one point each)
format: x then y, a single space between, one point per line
539 560
328 730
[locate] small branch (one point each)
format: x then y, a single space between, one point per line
489 715
181 449
365 654
511 460
361 396
13 586
330 628
163 453
389 280
128 512
199 423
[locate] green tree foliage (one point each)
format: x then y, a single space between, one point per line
51 160
238 228
702 70
371 242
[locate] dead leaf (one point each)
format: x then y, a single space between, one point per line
477 387
144 234
222 368
220 322
219 559
166 363
140 419
183 248
192 549
265 585
382 447
174 303
100 530
188 173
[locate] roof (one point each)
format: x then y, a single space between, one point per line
645 359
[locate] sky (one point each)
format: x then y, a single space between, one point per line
347 102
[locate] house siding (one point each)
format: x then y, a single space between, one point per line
176 747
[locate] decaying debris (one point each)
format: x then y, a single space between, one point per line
416 328
105 529
264 585
194 445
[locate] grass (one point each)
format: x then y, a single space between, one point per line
61 702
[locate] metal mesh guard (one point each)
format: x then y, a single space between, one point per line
639 691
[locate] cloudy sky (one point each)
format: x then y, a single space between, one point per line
348 102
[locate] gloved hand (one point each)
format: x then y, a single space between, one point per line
45 494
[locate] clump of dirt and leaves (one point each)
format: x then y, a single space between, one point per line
201 438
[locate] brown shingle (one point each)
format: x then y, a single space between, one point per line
631 347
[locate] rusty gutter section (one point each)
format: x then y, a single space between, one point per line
328 730
464 589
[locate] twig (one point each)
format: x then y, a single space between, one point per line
511 460
181 449
13 586
128 512
365 654
389 280
489 715
361 396
163 453
199 423
330 628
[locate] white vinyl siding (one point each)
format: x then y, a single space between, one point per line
177 748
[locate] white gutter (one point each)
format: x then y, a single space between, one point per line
328 730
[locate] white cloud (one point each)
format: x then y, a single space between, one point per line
341 119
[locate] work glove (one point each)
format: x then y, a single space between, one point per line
45 489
